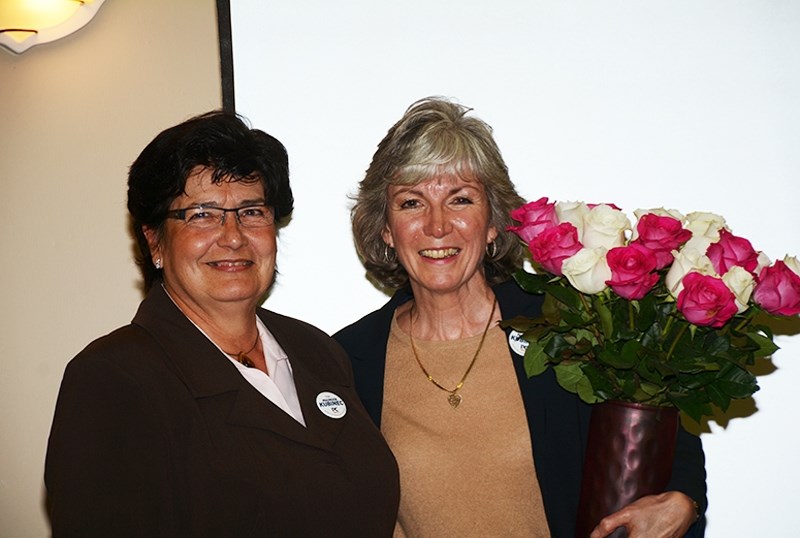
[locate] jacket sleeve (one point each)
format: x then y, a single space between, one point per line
689 475
106 469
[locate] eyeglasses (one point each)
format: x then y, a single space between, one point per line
205 217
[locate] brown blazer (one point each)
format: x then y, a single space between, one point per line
156 434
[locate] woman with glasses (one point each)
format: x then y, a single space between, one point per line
207 415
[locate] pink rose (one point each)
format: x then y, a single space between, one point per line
632 271
778 290
535 218
731 250
555 244
706 300
661 235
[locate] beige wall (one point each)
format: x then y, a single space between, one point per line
73 115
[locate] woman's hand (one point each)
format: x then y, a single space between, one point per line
668 515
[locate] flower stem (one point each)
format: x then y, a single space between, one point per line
668 326
675 340
588 308
746 319
631 324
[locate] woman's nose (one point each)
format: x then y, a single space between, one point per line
231 232
437 223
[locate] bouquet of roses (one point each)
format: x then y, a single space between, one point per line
669 312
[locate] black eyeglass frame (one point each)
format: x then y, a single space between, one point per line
180 214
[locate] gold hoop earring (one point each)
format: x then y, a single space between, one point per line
491 249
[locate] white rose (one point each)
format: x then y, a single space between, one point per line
763 261
686 260
587 270
699 243
791 262
605 227
658 211
705 229
661 212
741 283
572 212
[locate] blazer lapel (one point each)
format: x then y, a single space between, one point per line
311 368
207 374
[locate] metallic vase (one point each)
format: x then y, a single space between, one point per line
628 455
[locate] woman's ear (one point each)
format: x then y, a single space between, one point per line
153 241
386 234
491 234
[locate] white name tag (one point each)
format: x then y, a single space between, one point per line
331 405
517 343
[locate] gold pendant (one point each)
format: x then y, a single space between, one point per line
454 398
244 359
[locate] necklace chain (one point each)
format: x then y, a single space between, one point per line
454 398
242 355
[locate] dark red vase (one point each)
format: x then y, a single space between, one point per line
628 455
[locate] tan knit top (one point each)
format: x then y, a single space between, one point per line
466 471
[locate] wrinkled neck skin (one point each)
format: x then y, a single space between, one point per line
450 315
231 325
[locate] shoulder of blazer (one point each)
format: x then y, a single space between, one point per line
365 339
514 301
126 349
303 341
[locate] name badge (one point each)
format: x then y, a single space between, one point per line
331 405
517 343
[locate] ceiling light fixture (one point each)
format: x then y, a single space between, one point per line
25 23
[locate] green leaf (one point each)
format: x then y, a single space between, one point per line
692 404
651 372
737 382
522 323
617 360
585 334
567 296
585 391
604 315
570 376
697 381
627 383
599 380
651 338
632 351
651 389
550 310
766 347
718 398
530 282
573 318
536 360
558 348
716 343
646 313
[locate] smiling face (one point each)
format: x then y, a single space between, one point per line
440 229
205 269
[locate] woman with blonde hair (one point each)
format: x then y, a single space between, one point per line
483 450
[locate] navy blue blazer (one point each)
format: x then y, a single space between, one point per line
558 420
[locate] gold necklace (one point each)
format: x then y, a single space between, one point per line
453 397
242 355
